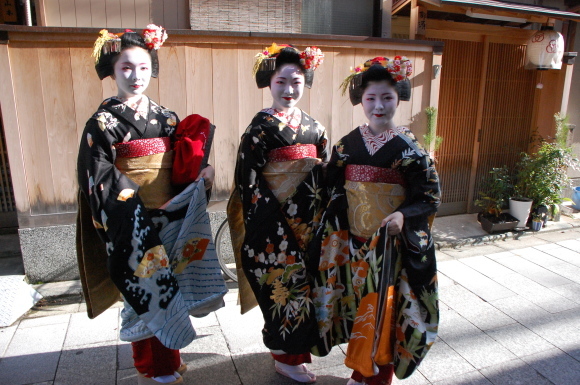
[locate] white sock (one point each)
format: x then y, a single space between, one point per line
166 379
298 373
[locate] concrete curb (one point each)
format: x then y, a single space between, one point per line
443 244
70 289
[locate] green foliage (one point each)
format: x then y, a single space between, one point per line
561 129
543 176
431 140
496 191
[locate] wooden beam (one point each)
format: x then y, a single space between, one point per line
398 5
463 10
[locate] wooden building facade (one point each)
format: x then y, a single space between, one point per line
491 107
50 89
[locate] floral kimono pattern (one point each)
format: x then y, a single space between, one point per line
139 262
277 233
357 276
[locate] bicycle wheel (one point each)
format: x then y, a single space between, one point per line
225 253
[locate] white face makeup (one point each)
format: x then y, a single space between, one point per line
380 101
132 72
287 87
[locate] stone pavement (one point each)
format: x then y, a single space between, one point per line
510 314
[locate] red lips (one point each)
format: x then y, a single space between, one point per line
286 98
379 115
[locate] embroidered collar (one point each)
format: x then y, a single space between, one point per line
373 142
291 120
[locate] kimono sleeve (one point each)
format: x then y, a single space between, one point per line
322 143
423 193
112 197
252 157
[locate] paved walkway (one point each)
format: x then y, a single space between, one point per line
510 314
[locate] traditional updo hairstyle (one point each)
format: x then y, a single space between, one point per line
376 73
108 47
395 72
268 63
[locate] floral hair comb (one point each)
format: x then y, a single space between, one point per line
310 58
400 68
108 42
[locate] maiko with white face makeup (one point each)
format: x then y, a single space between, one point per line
385 192
379 102
132 72
287 87
278 168
138 178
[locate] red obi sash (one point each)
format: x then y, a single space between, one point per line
364 173
143 147
297 151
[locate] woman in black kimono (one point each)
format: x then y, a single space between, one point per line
376 287
155 251
276 205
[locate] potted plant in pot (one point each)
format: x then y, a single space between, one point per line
537 222
542 177
520 203
496 190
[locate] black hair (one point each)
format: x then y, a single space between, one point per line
287 55
106 64
376 73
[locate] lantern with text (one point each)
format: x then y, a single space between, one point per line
545 50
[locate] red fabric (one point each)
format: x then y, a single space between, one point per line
293 359
152 359
143 147
297 151
190 139
384 377
364 173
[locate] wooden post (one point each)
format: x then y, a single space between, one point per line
414 20
478 121
386 9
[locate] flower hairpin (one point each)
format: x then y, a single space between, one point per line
310 58
400 68
154 36
108 42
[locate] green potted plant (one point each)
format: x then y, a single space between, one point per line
430 139
542 177
494 195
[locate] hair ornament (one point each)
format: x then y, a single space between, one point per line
106 43
400 68
154 36
266 60
311 58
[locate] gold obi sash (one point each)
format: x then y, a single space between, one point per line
372 193
287 167
148 162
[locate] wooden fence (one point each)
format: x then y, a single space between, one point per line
50 89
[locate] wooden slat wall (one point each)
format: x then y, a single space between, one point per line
136 14
460 75
509 108
508 100
55 90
